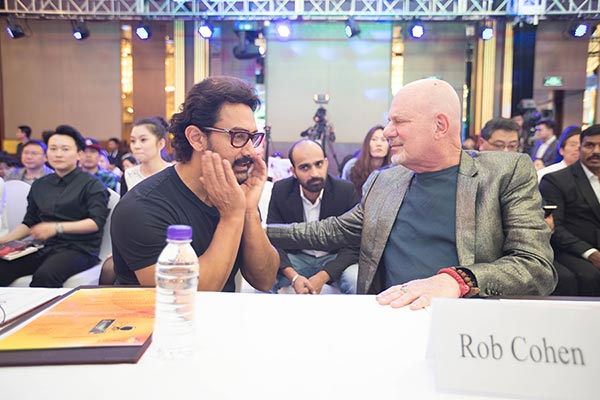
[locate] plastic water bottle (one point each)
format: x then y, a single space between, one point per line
176 286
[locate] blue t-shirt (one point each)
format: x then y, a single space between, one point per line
423 238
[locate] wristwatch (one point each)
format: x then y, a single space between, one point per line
59 229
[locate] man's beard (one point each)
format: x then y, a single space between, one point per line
314 185
243 161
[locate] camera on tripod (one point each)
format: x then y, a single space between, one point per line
321 131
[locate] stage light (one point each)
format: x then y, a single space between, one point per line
486 32
417 30
352 29
80 30
579 29
284 30
143 30
15 31
205 29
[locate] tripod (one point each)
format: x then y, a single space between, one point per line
322 133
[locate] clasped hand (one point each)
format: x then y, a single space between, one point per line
43 231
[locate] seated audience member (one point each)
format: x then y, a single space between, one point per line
7 164
500 134
443 223
544 148
66 210
347 164
148 138
568 151
311 194
113 151
33 158
470 143
90 163
374 154
575 192
128 161
24 136
214 188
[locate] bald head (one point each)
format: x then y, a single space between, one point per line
432 96
305 146
424 128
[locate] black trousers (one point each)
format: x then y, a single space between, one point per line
567 281
587 275
50 267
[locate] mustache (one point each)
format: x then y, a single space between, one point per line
594 157
243 161
314 181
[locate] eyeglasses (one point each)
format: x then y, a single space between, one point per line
502 146
239 138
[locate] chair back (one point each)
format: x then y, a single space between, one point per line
16 202
106 245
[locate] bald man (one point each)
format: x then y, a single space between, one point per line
443 223
311 194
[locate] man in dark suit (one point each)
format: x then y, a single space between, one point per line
576 193
545 146
311 194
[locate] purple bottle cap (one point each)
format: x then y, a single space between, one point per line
179 232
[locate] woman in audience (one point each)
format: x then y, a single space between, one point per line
128 161
148 138
374 154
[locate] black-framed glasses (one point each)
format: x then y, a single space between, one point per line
239 137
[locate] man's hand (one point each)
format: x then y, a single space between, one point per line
43 230
221 186
254 184
318 280
594 258
550 222
418 293
303 286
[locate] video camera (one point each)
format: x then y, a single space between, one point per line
321 131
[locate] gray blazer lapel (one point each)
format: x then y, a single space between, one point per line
466 195
381 208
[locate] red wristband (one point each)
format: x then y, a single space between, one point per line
463 287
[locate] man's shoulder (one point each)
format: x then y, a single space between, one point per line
564 175
285 185
340 184
499 159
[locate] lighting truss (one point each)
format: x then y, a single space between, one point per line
307 9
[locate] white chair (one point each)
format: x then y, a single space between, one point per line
89 276
16 202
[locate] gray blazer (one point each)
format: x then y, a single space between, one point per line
501 236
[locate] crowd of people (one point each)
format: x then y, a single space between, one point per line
420 213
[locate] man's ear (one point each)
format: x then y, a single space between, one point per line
442 123
196 138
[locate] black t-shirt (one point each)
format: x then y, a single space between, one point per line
140 220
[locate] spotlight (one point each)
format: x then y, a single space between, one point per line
486 33
417 30
143 30
15 31
579 29
80 29
284 30
352 29
205 29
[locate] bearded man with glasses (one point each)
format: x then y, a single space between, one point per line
214 188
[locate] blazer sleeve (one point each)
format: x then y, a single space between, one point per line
274 215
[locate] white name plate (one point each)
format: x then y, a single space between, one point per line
517 348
